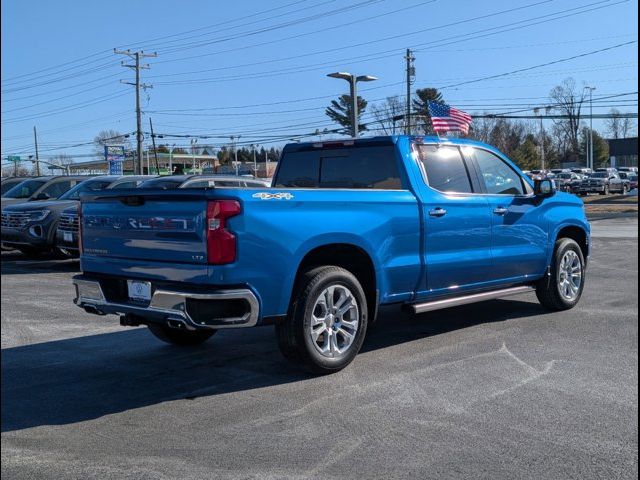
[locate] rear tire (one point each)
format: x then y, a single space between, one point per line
327 321
562 288
183 338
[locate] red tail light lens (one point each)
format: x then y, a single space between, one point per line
221 243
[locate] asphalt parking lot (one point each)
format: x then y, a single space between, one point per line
501 389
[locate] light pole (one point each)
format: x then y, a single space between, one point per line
537 111
591 89
353 80
193 152
235 150
170 159
255 162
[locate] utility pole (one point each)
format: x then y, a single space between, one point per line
136 56
35 140
155 152
411 73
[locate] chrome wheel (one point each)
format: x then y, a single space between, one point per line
570 275
334 321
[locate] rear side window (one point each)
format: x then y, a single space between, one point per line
365 167
58 188
445 168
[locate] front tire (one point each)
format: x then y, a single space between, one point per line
327 321
183 338
562 288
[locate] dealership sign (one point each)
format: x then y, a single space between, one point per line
114 154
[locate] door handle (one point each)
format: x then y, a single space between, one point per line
500 210
437 212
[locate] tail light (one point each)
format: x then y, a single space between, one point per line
80 228
221 243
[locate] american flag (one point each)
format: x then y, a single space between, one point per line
446 119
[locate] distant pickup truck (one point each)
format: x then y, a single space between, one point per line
604 182
347 226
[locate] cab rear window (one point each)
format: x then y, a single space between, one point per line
363 167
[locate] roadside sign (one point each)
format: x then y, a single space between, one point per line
114 155
13 158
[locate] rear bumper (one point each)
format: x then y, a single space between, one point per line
592 188
223 308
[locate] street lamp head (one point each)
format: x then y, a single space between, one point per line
366 78
342 75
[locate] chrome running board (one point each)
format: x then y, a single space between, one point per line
464 300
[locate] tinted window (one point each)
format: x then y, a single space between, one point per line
85 187
57 188
164 183
24 189
373 167
365 167
299 170
445 168
123 185
498 177
9 184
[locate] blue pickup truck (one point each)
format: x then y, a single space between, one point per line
347 226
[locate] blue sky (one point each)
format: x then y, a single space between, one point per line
258 69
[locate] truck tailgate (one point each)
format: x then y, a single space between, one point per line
158 226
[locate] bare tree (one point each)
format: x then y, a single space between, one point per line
613 124
481 129
63 161
109 137
17 171
389 115
568 100
618 126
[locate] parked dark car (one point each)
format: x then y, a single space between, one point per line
568 182
10 182
632 177
40 189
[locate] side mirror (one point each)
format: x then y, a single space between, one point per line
545 187
42 196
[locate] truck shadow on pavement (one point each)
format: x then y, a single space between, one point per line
78 379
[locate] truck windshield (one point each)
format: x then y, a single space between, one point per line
24 189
